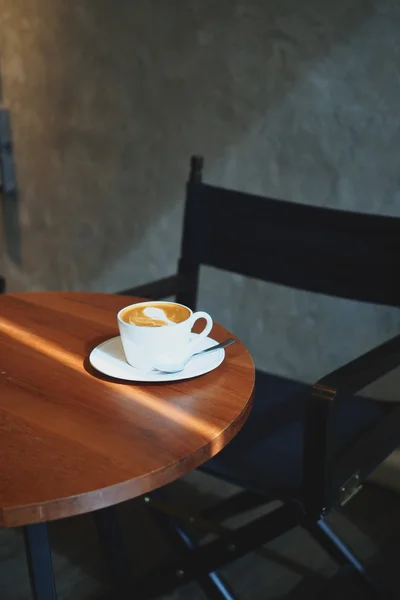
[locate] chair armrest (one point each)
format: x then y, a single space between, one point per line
156 290
318 452
364 370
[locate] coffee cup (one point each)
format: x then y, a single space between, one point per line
153 332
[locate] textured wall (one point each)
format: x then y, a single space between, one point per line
293 99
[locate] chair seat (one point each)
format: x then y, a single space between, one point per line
266 456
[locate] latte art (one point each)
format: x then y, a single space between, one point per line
155 314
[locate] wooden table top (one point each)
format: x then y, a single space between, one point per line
73 440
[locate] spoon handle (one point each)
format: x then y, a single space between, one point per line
224 344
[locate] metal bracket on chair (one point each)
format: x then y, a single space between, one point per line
350 488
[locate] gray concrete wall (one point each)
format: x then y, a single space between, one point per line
293 99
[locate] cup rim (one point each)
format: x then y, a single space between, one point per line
151 302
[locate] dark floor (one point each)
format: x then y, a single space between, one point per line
292 566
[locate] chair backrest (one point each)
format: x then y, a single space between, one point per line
334 252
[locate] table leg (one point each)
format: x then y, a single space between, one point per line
116 554
40 566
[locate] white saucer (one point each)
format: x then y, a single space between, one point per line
109 359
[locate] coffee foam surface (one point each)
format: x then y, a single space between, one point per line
140 315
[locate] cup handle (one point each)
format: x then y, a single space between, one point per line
209 325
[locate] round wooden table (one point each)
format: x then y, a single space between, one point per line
73 440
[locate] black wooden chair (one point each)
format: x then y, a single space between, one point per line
2 285
309 446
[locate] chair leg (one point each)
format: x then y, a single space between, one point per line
209 521
334 546
109 532
343 555
40 565
212 584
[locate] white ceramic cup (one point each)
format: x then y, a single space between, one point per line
145 347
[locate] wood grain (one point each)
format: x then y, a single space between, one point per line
73 440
